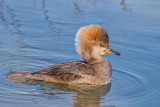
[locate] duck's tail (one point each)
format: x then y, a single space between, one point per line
23 78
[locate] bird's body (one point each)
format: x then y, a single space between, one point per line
92 43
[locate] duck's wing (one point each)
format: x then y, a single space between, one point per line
64 72
76 67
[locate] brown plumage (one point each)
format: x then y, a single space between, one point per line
89 36
92 43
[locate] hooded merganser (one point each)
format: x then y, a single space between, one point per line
92 43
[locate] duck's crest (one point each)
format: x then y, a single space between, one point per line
89 36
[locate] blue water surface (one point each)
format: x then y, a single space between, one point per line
35 34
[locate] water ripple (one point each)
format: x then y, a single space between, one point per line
135 86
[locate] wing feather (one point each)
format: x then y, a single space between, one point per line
66 72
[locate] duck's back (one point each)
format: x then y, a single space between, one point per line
67 73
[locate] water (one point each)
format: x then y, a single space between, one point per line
35 34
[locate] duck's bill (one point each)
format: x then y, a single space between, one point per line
112 52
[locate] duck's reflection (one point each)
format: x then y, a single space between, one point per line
86 96
92 96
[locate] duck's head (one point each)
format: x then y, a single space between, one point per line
92 43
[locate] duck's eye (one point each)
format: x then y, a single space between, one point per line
101 45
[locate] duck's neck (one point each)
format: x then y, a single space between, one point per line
103 71
93 60
90 58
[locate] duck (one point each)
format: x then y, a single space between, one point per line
92 43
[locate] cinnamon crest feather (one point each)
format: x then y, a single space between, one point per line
89 36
